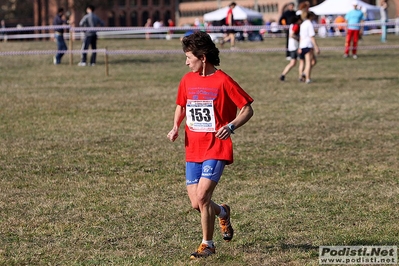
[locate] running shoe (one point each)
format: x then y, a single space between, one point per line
225 225
203 251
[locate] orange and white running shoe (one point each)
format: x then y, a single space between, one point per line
225 225
203 251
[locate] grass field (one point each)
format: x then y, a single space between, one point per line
88 176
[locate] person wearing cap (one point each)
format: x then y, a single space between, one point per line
354 20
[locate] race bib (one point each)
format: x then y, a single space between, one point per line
200 116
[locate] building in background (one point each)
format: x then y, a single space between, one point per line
113 13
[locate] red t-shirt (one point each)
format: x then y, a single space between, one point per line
228 17
226 96
295 29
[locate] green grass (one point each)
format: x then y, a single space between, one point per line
88 176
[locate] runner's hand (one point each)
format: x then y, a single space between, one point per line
173 134
223 133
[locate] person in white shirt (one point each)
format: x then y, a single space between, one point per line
307 47
293 45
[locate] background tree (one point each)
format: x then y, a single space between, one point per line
16 10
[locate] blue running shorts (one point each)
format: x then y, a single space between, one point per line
210 169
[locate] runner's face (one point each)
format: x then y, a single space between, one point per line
194 63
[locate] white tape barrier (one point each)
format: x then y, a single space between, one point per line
38 32
137 52
391 22
52 52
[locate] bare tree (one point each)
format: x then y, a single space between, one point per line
16 10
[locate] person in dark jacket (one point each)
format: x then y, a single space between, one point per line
90 20
59 36
286 20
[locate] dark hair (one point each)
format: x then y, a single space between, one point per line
61 9
233 4
91 7
311 15
200 43
295 19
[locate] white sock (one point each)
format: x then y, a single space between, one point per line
222 213
209 243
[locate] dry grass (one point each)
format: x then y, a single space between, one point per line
89 178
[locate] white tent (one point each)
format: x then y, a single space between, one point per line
341 7
239 13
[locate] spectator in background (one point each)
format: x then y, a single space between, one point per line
274 28
148 24
293 45
59 20
171 24
3 33
286 19
330 28
229 21
90 20
170 32
304 7
157 25
340 28
197 22
354 20
322 31
384 19
397 24
307 47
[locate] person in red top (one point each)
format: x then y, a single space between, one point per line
209 99
170 24
229 21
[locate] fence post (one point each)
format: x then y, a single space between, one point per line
70 46
106 62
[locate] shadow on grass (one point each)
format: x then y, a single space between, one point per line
378 78
360 53
304 247
139 59
363 242
370 242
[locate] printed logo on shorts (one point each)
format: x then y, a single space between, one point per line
207 170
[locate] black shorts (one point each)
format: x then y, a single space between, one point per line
293 54
305 51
